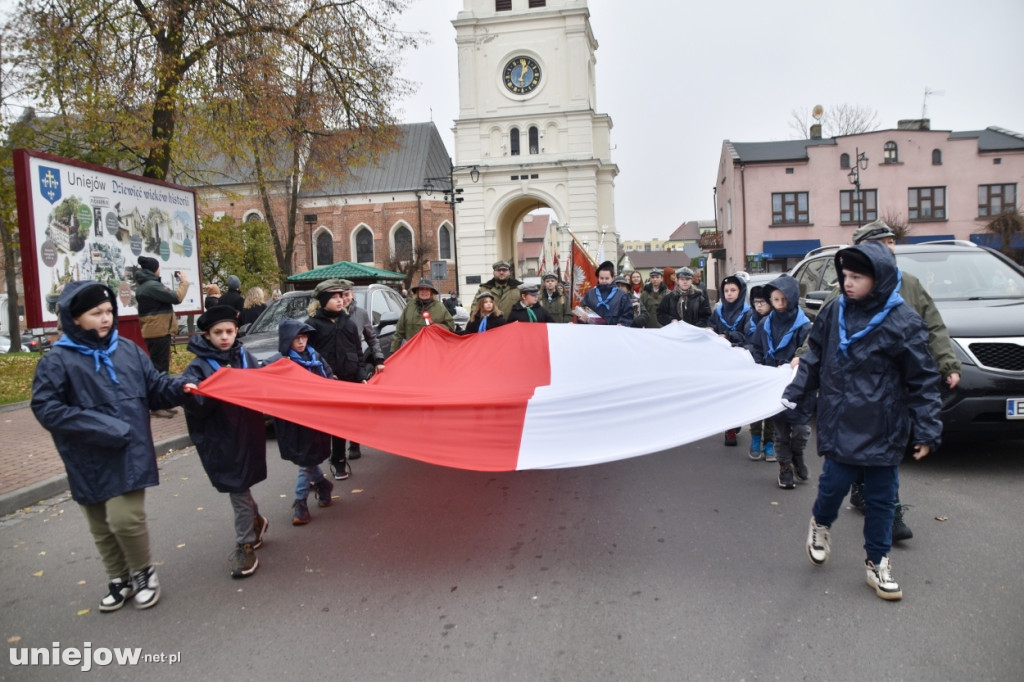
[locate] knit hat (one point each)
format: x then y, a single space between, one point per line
855 261
234 284
89 297
147 263
684 272
218 313
875 230
757 292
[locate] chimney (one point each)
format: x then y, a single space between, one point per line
914 124
816 131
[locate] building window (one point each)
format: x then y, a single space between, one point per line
789 208
444 243
534 4
364 246
994 199
534 140
324 248
502 5
403 243
253 217
936 157
513 141
926 203
890 153
862 209
844 161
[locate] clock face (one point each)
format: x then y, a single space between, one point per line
521 75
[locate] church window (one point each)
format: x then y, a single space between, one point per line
513 142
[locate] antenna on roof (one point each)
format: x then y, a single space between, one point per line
924 105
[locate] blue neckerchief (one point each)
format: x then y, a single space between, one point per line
604 301
799 321
736 322
313 364
483 325
216 365
844 343
98 354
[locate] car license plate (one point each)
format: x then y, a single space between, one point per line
1015 408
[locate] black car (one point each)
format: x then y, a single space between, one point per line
384 304
980 294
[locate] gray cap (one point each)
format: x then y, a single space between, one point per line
484 294
684 272
656 271
529 289
620 280
333 285
875 230
501 264
551 275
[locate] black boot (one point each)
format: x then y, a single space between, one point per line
900 530
857 496
799 468
786 476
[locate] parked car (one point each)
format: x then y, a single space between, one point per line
759 279
5 344
384 304
980 295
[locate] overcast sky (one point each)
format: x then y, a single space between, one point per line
678 78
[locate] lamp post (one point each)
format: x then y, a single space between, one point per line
452 196
310 220
860 163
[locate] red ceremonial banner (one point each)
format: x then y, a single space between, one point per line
584 273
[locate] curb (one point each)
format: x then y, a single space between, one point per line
29 495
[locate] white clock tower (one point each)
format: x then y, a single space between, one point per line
528 121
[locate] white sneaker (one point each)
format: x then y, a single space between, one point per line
147 588
880 577
120 591
818 543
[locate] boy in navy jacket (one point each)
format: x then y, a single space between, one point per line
878 389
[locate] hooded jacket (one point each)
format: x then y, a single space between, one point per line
690 306
882 391
302 445
650 300
780 334
155 300
231 440
101 427
732 320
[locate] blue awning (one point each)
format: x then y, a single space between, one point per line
993 241
929 238
790 248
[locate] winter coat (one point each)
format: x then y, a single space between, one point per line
779 335
493 320
883 391
505 295
101 428
155 301
365 326
337 340
521 314
641 318
732 320
650 300
616 310
231 440
411 320
690 306
557 305
233 298
302 445
249 315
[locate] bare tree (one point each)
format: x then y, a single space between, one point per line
409 261
898 224
1006 226
843 119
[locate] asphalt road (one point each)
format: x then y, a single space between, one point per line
688 564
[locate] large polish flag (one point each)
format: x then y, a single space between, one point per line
526 396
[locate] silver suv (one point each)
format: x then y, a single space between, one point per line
980 294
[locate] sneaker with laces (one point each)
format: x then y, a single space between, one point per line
819 544
340 470
800 468
857 496
301 516
147 588
881 579
120 590
243 561
323 491
260 525
769 451
730 437
786 477
900 530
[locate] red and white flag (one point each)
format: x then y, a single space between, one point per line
526 396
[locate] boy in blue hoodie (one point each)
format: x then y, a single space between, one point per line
730 320
877 384
231 440
93 392
302 445
775 343
762 432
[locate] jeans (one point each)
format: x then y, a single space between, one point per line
246 512
307 476
880 484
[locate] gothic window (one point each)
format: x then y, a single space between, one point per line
403 243
444 243
364 246
534 140
324 248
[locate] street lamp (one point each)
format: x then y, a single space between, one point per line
860 163
310 220
452 196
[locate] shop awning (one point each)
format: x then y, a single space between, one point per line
790 248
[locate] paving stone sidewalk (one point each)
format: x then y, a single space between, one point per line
31 469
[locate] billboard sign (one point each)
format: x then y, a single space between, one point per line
79 221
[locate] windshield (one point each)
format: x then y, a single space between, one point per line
286 306
963 274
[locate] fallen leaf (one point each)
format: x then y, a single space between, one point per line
199 509
181 545
81 582
357 491
83 612
184 478
38 574
14 639
43 553
282 496
942 518
775 504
